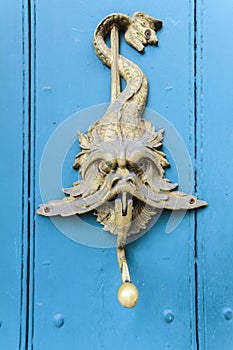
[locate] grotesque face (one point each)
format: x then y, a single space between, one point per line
121 168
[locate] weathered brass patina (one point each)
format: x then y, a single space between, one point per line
121 166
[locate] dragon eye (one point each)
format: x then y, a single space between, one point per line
148 34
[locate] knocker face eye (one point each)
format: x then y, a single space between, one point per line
105 166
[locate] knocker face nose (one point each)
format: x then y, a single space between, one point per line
123 174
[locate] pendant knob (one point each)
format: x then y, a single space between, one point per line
128 295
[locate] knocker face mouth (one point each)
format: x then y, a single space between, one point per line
124 193
122 185
120 189
123 190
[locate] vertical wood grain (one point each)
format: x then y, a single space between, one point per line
214 170
14 168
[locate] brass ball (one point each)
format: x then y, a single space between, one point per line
127 295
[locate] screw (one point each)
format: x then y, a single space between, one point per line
58 320
168 315
228 313
46 209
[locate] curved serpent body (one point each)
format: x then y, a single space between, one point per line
128 108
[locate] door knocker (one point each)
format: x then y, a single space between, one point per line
121 166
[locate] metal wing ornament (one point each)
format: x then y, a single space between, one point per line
121 165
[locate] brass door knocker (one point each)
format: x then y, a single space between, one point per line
120 164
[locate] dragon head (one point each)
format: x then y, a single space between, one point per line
142 31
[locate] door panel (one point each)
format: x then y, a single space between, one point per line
81 282
13 124
215 144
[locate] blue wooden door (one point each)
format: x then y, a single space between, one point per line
59 283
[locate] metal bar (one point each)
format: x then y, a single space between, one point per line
123 223
123 266
115 76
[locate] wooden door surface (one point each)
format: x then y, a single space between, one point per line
59 279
